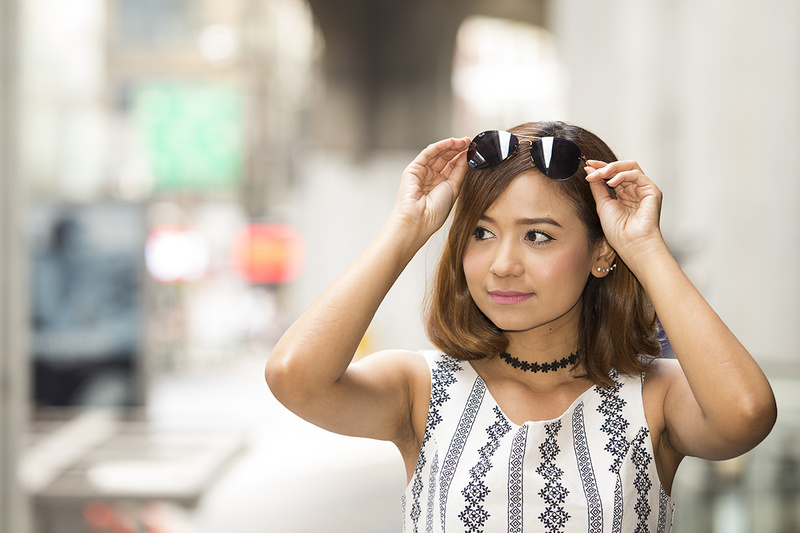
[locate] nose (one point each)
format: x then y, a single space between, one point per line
507 260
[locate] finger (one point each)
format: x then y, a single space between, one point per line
593 168
451 164
618 166
594 164
453 173
600 192
456 154
609 170
632 176
445 145
458 169
437 155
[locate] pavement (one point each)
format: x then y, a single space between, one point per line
291 476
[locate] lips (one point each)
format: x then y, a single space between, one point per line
509 297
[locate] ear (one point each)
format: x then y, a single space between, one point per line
604 259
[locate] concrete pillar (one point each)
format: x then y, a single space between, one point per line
387 69
704 94
13 356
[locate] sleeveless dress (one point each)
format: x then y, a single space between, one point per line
590 470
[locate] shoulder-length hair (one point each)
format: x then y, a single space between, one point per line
618 326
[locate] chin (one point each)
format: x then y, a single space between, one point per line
520 322
513 326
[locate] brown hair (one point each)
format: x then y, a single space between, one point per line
617 327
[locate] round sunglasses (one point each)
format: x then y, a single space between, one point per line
555 157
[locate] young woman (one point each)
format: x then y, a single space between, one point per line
545 408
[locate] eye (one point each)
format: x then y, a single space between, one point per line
538 237
481 234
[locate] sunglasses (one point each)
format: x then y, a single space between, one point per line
555 157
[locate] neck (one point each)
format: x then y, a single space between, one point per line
542 350
548 342
551 353
547 366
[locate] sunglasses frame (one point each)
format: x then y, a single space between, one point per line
541 157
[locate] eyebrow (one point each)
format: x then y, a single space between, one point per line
538 221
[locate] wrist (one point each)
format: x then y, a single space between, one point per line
402 237
646 257
411 227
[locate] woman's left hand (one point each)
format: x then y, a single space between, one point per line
631 220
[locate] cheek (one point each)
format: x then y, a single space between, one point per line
472 264
574 264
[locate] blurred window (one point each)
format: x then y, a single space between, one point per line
504 73
155 23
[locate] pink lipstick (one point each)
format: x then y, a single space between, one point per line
509 297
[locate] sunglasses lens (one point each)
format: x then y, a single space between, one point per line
490 148
557 158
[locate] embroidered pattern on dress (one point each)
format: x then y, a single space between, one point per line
456 448
662 510
586 471
554 494
641 482
615 426
616 524
474 516
403 508
515 480
442 376
431 492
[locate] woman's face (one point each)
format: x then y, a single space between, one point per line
529 258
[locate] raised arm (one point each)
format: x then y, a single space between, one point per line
717 402
310 370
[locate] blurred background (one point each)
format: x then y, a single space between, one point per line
180 178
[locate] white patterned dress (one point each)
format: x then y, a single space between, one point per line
590 470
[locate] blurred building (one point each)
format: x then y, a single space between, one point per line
145 123
14 515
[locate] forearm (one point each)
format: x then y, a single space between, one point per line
727 383
317 349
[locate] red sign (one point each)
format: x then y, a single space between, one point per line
268 253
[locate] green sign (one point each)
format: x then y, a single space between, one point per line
193 133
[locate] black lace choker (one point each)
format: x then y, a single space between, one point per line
564 362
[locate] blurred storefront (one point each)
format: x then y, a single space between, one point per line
140 120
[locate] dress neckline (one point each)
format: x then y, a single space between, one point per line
578 400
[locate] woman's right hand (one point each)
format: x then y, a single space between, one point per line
430 185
